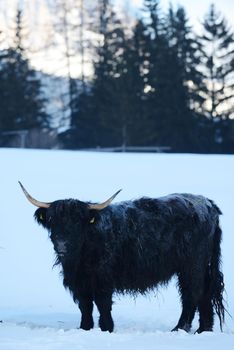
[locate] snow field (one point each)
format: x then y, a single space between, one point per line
36 311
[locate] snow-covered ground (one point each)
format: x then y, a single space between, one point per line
36 311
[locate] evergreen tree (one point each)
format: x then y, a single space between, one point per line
134 86
22 106
154 51
175 84
188 50
219 57
101 119
218 69
188 90
161 82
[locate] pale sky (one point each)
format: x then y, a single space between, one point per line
195 8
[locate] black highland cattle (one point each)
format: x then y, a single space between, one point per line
136 246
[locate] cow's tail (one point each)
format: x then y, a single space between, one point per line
215 276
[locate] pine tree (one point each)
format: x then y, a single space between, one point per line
188 88
22 102
174 85
218 42
134 86
100 120
156 45
158 76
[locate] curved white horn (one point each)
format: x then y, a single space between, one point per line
104 204
33 200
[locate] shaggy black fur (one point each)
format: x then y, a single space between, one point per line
135 246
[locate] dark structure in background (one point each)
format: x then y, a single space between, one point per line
156 84
33 138
136 246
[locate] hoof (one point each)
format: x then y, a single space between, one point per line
87 325
185 328
200 330
106 325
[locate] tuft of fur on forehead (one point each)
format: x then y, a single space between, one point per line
62 212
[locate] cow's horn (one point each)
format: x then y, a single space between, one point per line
104 204
34 201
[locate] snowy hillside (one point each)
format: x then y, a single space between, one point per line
36 311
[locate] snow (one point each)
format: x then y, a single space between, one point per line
36 311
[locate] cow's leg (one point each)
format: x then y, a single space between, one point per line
104 305
86 308
206 313
190 290
205 307
187 315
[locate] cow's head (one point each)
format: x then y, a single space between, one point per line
66 220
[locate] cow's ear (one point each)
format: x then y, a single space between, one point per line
93 217
41 216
